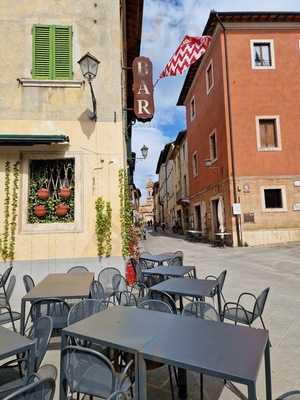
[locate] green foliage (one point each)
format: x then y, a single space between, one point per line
8 237
103 227
126 214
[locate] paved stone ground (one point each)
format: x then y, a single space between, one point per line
252 269
249 269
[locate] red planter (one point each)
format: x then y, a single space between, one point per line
40 211
43 194
64 192
61 210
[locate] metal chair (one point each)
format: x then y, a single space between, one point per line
77 269
165 297
8 316
220 283
126 298
160 306
89 372
119 395
28 283
292 395
239 314
176 261
97 291
43 389
105 277
57 309
12 373
84 309
200 309
119 283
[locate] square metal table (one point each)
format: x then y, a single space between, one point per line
189 287
123 328
12 343
213 348
158 258
173 271
61 286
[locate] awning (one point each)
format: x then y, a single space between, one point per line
11 139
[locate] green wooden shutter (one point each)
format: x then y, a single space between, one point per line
41 52
62 51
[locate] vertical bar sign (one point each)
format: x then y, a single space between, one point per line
143 89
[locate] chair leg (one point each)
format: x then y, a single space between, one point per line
171 382
201 387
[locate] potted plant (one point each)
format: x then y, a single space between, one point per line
40 210
62 209
64 192
43 194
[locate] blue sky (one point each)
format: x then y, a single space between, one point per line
164 25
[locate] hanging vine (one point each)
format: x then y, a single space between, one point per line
103 227
8 237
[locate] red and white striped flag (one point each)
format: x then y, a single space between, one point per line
189 51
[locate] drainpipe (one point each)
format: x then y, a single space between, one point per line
235 195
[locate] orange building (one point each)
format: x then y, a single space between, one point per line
243 116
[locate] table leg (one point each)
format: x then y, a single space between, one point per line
251 391
194 271
141 373
182 384
180 304
268 372
23 316
62 383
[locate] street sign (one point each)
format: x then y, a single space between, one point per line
143 89
236 209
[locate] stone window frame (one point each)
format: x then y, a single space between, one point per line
278 132
193 108
272 51
45 228
195 165
213 133
283 195
209 88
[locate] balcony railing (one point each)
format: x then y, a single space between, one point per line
181 195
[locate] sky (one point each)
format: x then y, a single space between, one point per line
165 23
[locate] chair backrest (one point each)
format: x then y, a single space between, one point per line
165 297
43 389
260 303
175 261
97 291
55 308
179 253
200 309
155 305
87 371
221 279
292 395
10 287
41 332
119 395
4 276
106 275
77 269
119 283
28 283
84 309
126 298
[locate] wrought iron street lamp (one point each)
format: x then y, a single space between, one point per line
89 68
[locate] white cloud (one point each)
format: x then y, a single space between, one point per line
164 25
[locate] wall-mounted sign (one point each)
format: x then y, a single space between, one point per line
236 209
297 183
143 89
297 207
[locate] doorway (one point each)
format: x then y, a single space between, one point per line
215 221
198 218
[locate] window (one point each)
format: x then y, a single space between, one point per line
213 146
183 151
51 192
209 77
52 52
195 164
262 53
193 108
184 186
274 199
268 133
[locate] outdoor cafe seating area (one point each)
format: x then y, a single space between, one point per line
111 331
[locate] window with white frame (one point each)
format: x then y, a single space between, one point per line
193 108
262 54
268 133
209 77
274 198
195 164
213 146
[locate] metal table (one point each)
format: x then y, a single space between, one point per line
190 288
173 271
61 286
213 348
158 258
12 343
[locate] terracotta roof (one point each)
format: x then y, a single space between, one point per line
240 17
